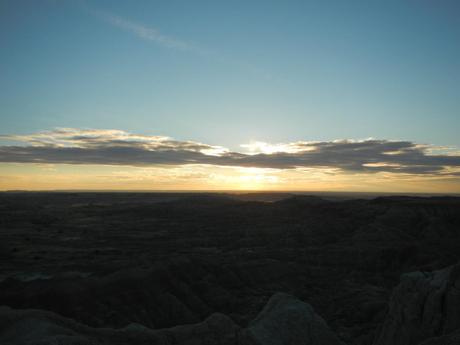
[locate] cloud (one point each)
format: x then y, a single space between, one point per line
148 33
154 35
116 147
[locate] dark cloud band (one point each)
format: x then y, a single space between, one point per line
71 146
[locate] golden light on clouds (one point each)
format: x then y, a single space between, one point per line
69 158
256 147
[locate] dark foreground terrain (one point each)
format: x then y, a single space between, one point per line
133 268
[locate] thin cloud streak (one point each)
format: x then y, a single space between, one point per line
115 147
147 33
154 35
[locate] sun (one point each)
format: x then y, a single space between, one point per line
255 179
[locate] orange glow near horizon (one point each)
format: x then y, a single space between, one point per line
207 178
108 159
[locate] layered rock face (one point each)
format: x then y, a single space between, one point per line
284 321
27 327
450 339
180 291
423 306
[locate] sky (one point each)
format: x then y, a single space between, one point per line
223 95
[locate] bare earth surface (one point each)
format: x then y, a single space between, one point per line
104 266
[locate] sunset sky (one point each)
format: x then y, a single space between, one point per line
230 95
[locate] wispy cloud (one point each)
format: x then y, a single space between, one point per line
115 147
146 33
152 34
149 33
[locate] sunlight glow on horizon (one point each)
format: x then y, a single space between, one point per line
70 158
203 178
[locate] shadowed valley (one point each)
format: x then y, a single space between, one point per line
178 268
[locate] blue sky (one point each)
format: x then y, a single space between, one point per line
276 71
279 95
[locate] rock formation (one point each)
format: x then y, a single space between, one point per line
424 305
284 321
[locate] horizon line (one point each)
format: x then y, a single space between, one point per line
224 191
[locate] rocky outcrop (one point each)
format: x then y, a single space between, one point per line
449 339
285 320
27 327
174 292
423 306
